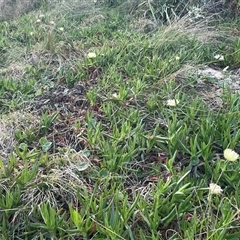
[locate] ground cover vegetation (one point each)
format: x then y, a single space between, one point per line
109 131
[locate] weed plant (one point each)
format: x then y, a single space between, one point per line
105 133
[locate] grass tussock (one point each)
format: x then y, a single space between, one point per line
13 9
109 127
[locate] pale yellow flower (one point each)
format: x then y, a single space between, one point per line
177 58
215 189
230 155
38 20
52 23
91 55
61 29
219 57
172 102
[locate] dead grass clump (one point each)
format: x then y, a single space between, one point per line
9 125
11 9
75 8
14 71
202 30
58 185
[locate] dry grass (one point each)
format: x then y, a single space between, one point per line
200 30
6 139
12 9
9 125
15 71
57 185
75 8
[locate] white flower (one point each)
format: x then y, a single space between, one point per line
215 189
38 20
61 29
230 155
52 23
41 16
172 102
91 55
115 95
177 58
219 57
